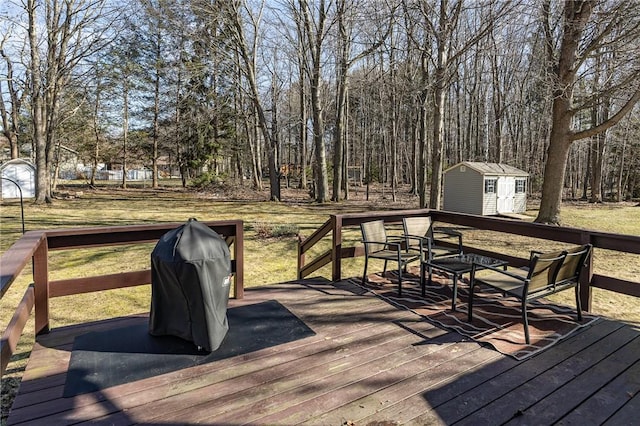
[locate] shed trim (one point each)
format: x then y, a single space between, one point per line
493 169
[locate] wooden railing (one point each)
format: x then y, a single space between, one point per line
335 254
35 246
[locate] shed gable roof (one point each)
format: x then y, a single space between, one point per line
496 169
17 162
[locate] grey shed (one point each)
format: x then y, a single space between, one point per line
485 188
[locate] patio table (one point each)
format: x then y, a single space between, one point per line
457 265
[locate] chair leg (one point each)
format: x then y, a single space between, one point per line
364 274
578 303
399 279
472 287
455 291
525 322
384 270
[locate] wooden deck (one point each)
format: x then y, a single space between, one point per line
368 363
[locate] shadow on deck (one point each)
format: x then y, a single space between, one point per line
366 363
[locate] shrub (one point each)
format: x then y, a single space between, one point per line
270 230
207 179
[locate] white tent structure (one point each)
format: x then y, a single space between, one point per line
20 172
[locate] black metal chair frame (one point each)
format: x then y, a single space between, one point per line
387 249
548 273
431 238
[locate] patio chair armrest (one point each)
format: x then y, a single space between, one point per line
497 269
423 243
395 238
396 246
447 231
417 237
447 234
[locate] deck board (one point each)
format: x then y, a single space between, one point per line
475 405
368 362
539 386
575 391
606 402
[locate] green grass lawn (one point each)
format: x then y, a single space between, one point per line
268 259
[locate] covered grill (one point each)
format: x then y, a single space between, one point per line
190 278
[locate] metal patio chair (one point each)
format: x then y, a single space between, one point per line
430 242
548 273
377 245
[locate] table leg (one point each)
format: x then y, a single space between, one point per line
455 291
430 281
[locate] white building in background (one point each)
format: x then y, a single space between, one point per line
23 173
485 188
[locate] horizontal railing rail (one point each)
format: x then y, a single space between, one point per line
609 241
35 246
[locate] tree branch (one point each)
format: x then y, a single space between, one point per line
610 122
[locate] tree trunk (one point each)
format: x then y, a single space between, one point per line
341 98
438 137
10 118
125 129
322 180
302 128
156 109
422 151
597 155
315 38
557 154
576 16
96 131
274 170
621 166
38 110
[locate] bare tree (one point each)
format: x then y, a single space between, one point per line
313 21
584 30
443 20
155 13
237 12
348 13
10 108
73 31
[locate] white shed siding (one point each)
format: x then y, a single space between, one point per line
22 173
520 203
464 188
463 191
489 200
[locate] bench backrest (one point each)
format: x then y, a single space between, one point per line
573 264
543 269
554 271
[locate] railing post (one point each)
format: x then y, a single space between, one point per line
301 258
41 281
586 293
336 249
238 254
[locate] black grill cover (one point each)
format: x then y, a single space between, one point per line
190 272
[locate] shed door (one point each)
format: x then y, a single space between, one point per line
506 194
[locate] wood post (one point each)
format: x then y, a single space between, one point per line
586 292
41 281
301 256
238 255
336 248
